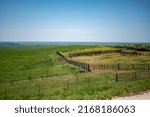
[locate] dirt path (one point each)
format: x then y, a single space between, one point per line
144 96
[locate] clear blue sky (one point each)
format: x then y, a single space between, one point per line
75 20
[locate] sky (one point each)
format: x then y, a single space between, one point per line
75 20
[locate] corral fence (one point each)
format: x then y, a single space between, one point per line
132 76
94 53
119 66
92 67
82 65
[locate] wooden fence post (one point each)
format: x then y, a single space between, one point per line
132 76
135 77
88 67
104 66
5 94
116 78
11 77
118 66
98 67
39 89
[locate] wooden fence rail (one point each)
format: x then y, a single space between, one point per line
120 66
132 76
91 67
82 65
94 53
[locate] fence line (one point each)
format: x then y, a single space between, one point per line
120 66
94 53
91 67
132 76
39 89
82 65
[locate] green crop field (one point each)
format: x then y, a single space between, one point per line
36 72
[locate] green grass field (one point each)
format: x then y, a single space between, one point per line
33 62
36 72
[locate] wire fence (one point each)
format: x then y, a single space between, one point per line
50 88
34 89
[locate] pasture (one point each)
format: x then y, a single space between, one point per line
38 72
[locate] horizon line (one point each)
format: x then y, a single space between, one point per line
79 41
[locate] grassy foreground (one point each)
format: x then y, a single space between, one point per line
79 86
